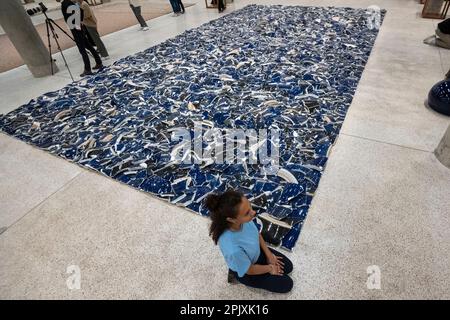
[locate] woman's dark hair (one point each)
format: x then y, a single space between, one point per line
221 207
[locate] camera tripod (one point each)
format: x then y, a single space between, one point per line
50 28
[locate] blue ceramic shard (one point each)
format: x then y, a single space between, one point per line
184 199
291 237
259 201
262 186
201 193
194 206
271 230
291 191
136 182
181 186
322 149
156 185
297 215
280 211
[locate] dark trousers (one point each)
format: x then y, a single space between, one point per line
82 44
93 32
137 13
181 5
175 6
278 284
88 36
221 5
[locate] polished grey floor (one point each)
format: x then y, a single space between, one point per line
383 199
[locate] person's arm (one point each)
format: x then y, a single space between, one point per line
87 12
271 258
240 263
256 269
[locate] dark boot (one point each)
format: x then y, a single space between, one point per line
86 73
231 277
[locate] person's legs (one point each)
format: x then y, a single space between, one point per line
278 284
94 52
137 14
140 18
133 8
181 5
98 41
221 5
80 42
175 6
90 39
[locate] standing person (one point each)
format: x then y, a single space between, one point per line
90 23
245 251
221 5
176 7
136 7
80 37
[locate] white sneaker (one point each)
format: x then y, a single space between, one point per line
105 58
176 14
144 29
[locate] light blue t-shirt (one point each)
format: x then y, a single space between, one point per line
240 248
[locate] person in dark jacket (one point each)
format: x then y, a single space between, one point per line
68 9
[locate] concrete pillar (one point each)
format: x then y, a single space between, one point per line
20 30
442 152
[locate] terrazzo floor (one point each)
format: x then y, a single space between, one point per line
383 199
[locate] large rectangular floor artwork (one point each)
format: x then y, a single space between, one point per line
287 68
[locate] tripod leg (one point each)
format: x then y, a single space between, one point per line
55 24
55 36
49 47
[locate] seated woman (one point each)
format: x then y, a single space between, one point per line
245 251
